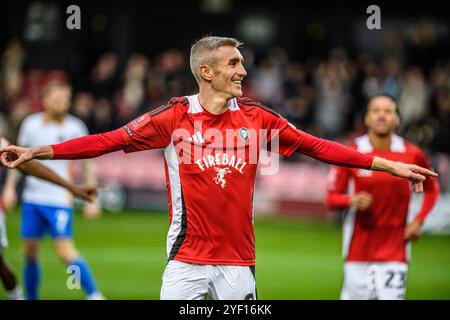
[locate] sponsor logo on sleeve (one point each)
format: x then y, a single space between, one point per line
138 122
128 130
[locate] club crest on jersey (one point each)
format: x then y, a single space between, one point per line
364 173
244 134
220 177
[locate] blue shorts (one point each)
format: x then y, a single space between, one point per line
38 219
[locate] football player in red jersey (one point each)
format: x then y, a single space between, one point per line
376 231
212 143
34 168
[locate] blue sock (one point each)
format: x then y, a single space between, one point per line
32 276
86 278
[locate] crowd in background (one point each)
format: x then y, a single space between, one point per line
324 96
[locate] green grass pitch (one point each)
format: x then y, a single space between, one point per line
296 259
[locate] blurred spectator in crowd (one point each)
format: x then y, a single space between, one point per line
371 81
103 77
299 95
441 140
83 108
20 109
391 76
169 77
267 80
332 83
104 115
131 97
11 75
413 96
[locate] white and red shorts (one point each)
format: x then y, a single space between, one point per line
374 281
187 281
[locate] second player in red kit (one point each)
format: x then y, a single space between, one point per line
376 230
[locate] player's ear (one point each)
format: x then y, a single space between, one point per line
206 72
365 120
397 121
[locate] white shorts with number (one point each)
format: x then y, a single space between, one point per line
374 281
3 237
187 281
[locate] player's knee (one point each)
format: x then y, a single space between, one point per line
31 251
66 252
66 256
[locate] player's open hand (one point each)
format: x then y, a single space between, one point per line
361 200
92 211
14 156
412 172
84 192
413 230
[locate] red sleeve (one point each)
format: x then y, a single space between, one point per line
337 187
333 153
284 138
149 131
430 188
281 135
152 130
90 146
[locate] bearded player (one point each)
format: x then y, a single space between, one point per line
210 243
36 169
46 208
376 233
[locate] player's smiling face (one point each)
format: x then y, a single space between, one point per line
381 117
229 71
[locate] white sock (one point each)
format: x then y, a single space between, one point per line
15 294
95 296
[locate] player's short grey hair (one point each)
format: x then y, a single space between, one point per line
200 51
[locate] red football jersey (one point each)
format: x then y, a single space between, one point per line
211 163
377 234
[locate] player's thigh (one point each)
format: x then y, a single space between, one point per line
3 235
356 282
392 281
184 281
33 224
233 283
60 221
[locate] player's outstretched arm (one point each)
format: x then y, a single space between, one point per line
40 171
335 153
80 148
14 156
